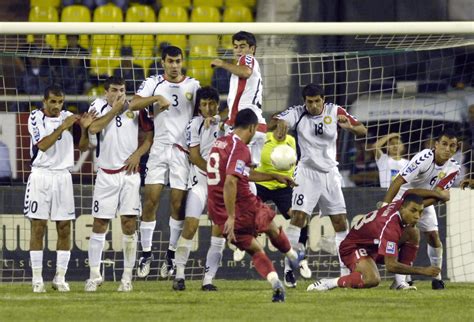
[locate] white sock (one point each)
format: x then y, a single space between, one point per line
96 246
340 236
399 279
436 257
272 278
36 257
287 265
293 233
213 259
181 256
146 234
176 227
291 254
129 245
62 261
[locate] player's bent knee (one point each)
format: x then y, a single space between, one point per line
432 238
371 281
339 222
190 228
64 229
129 224
298 218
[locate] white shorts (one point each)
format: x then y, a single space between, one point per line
428 220
116 193
168 164
49 195
197 196
318 188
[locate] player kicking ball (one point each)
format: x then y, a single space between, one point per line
238 213
117 186
201 133
384 236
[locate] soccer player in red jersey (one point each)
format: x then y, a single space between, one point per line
235 209
384 236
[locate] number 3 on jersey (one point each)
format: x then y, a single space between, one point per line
175 100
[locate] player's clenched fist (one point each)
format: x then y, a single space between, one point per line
163 103
343 122
69 121
217 63
432 271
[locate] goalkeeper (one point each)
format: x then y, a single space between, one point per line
281 194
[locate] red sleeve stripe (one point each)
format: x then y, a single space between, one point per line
352 119
447 180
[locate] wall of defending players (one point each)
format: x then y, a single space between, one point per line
322 258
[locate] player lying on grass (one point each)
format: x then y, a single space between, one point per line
239 214
384 236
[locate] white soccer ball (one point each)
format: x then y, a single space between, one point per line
283 157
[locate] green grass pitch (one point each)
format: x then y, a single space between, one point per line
235 301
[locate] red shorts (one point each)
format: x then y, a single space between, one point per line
351 254
251 223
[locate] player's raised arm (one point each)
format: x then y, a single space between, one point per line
242 71
48 141
379 144
118 106
139 103
85 121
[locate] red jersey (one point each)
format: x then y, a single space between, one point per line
228 156
378 232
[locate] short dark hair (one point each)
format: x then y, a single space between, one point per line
171 51
54 89
247 36
312 89
207 92
411 197
450 133
113 80
245 118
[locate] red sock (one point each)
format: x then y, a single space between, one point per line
281 242
408 253
263 264
353 280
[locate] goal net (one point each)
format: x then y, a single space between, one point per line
408 83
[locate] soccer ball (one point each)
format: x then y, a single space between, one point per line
283 157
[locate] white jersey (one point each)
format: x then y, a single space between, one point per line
316 134
170 124
197 134
423 173
119 139
246 92
389 168
60 155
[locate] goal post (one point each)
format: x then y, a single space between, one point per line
413 78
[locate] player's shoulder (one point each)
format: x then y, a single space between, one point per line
195 121
426 155
297 109
191 81
98 104
290 140
64 114
36 114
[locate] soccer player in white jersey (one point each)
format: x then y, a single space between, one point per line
317 177
201 133
390 163
49 191
429 169
173 98
246 88
117 186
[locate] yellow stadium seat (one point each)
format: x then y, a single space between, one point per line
180 3
45 3
75 13
199 64
96 91
104 60
139 43
175 40
44 14
247 3
173 14
143 57
140 13
211 3
211 40
108 13
107 41
205 14
235 14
